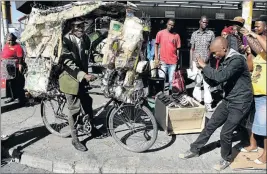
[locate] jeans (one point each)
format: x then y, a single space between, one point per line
167 68
229 114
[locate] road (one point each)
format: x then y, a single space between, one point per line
16 167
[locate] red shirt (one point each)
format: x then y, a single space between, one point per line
169 42
14 51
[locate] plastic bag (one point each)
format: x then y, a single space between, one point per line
178 84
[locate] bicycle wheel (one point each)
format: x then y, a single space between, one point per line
54 116
133 127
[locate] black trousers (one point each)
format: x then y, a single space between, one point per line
15 87
229 114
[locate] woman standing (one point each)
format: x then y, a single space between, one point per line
259 88
13 50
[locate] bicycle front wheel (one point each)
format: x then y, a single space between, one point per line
133 127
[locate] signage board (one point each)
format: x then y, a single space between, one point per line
169 14
220 16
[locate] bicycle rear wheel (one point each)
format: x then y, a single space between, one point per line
54 116
133 127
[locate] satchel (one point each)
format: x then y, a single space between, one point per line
68 84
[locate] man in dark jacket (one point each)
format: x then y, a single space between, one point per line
235 79
74 79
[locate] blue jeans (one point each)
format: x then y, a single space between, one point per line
168 69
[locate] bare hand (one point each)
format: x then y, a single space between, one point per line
20 68
247 49
244 31
200 62
254 35
89 77
157 63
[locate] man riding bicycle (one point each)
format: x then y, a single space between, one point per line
74 78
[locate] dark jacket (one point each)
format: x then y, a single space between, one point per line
234 76
75 63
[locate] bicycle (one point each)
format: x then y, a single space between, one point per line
135 119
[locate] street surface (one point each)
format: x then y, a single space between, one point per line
27 132
19 168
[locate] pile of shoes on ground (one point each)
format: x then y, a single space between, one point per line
177 100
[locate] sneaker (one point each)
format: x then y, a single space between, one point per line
209 108
222 165
188 154
79 146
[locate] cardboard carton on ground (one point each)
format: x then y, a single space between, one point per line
180 120
245 161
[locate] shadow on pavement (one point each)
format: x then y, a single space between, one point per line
16 105
10 107
28 136
173 139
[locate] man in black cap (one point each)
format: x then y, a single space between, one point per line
74 78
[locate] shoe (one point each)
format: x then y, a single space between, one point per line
209 108
96 133
188 154
257 161
9 101
242 149
79 146
222 165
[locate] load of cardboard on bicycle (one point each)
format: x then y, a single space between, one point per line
118 42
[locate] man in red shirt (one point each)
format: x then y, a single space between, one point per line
169 43
13 50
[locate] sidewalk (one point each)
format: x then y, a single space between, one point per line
46 151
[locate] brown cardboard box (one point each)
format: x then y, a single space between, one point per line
180 120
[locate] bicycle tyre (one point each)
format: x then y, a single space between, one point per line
47 124
118 140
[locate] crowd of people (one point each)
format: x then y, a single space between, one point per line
240 73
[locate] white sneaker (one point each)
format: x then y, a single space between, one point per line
209 108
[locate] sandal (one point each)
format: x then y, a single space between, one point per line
242 149
257 161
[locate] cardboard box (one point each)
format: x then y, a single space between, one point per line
180 120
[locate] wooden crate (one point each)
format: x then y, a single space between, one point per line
180 120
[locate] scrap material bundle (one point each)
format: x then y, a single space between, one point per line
122 57
43 40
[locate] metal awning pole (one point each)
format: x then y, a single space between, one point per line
247 10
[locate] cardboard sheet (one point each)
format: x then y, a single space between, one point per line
245 161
